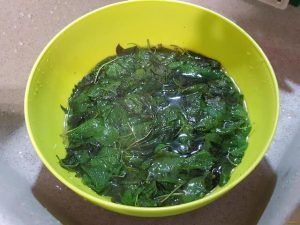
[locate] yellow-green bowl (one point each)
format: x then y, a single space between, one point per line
77 48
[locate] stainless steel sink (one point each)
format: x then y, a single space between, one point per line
31 195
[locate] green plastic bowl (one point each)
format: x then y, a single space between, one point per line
77 48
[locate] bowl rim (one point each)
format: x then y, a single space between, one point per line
148 211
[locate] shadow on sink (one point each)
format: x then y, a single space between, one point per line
294 217
243 205
9 122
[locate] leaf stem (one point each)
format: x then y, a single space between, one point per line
100 68
174 194
141 139
171 193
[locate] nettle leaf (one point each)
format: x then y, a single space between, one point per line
140 74
202 160
147 197
114 71
194 189
82 156
69 162
92 130
109 87
108 156
226 168
165 167
211 139
100 169
154 127
135 103
213 114
131 194
175 64
125 51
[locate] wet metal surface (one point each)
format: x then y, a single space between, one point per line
31 195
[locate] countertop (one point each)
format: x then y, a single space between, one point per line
31 195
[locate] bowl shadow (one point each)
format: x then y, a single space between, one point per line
242 205
10 120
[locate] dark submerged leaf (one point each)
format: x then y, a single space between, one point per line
154 127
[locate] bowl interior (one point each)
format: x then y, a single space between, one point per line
77 49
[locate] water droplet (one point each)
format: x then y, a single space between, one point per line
15 26
289 117
58 187
15 50
51 12
3 33
20 153
21 43
21 14
29 16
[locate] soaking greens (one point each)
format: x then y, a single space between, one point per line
155 127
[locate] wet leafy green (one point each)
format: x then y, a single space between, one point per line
154 127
